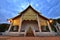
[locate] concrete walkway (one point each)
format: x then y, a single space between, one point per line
29 38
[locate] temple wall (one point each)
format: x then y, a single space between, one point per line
16 21
29 15
43 22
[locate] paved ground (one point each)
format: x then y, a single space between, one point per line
29 38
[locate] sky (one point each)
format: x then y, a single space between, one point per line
11 8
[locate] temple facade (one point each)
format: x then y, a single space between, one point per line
30 23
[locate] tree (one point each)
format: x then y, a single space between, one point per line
58 20
4 27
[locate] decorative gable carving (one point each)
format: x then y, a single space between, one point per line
29 15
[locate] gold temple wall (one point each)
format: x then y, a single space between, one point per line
16 21
29 15
43 22
29 12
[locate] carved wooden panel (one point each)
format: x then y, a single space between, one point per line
29 15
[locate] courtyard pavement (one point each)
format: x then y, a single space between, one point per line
29 38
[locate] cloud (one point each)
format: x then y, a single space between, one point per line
57 17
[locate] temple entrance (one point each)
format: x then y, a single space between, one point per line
29 27
29 32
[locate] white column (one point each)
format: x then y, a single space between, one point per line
39 23
20 24
33 31
58 25
9 27
49 27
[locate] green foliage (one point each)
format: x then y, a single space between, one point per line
55 20
4 27
58 20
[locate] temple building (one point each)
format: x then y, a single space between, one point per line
30 23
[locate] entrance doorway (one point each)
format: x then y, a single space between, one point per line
29 32
29 27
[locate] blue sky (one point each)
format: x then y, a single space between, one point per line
11 8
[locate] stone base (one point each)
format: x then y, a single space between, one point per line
46 34
13 33
36 34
